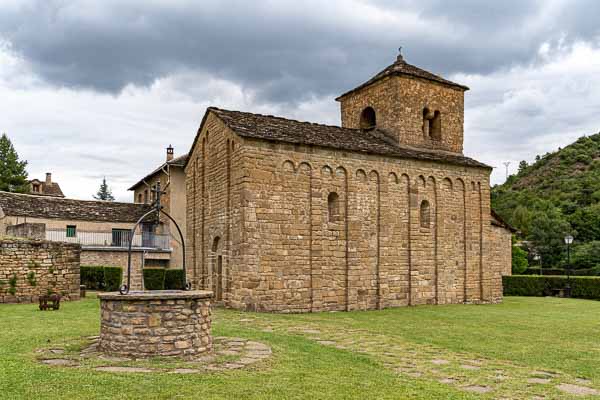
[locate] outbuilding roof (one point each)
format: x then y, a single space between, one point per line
33 206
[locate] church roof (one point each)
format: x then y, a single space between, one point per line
401 67
268 127
34 206
176 162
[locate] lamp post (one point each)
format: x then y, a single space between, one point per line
568 241
538 257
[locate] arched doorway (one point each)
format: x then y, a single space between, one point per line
217 270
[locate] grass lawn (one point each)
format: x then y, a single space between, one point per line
523 348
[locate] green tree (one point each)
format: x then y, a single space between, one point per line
521 219
522 166
519 260
13 176
548 230
586 255
104 193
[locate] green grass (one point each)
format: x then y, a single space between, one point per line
374 356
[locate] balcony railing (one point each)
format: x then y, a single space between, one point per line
118 238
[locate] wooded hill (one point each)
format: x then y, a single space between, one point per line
558 194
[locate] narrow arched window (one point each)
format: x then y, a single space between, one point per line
436 126
432 124
368 119
425 214
333 206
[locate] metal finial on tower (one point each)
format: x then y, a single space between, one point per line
400 58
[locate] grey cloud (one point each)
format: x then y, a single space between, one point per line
285 57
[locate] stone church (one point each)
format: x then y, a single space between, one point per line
384 211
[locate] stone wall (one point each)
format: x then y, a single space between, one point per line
399 101
156 324
27 230
501 249
404 232
213 182
38 267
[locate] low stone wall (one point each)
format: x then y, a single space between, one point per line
157 323
27 230
30 268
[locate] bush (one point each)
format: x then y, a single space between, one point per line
562 271
101 278
112 278
584 287
163 279
92 277
154 278
174 279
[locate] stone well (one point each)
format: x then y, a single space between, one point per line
156 323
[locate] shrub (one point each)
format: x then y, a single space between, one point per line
584 287
163 279
154 278
101 278
562 271
31 278
174 279
12 283
92 277
112 278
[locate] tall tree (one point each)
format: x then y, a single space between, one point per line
104 193
13 176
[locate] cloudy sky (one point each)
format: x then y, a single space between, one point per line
93 88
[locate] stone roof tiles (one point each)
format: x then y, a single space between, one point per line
33 206
268 127
401 67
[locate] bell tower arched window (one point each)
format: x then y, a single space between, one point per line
368 120
432 124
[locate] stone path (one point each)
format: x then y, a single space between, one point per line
228 354
489 378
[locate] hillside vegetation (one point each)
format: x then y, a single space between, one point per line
556 195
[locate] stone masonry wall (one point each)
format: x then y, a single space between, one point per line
501 255
267 203
213 182
399 101
378 251
155 324
38 267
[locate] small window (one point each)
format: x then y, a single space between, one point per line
432 124
36 188
425 214
139 197
368 119
71 231
333 206
146 196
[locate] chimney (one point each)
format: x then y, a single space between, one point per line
169 153
48 178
